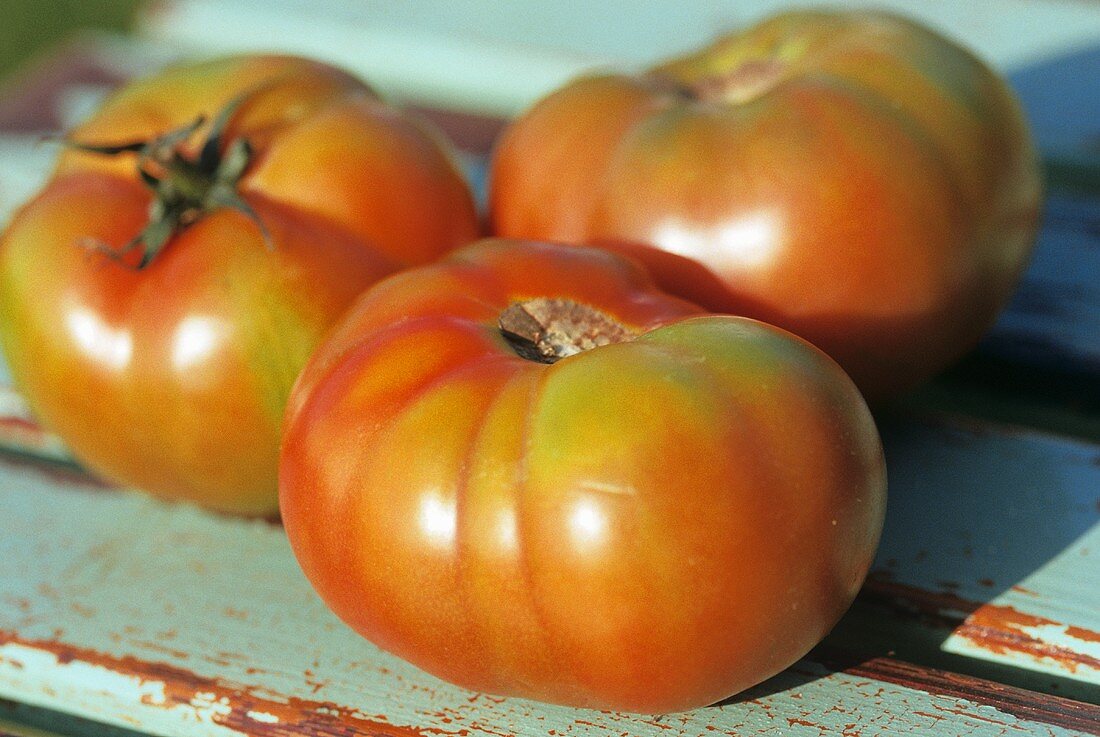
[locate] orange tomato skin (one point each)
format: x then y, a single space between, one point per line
850 177
649 526
174 378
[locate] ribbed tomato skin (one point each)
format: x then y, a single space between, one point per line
648 526
851 177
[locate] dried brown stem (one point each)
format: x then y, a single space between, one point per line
548 329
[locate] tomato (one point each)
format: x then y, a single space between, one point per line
528 471
851 177
156 320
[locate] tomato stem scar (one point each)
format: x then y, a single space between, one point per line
546 329
745 82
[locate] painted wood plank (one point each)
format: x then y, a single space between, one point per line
995 532
992 535
1053 320
949 549
177 622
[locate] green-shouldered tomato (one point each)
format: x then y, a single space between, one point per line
528 471
200 234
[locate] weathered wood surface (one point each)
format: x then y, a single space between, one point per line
178 622
1054 318
994 533
170 620
950 561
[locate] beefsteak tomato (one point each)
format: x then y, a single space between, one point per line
854 178
200 233
678 508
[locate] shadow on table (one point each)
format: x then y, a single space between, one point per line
975 512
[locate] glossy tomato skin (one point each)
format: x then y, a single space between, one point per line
173 378
648 526
851 177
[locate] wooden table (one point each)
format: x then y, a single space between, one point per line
981 616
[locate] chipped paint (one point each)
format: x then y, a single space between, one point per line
214 707
988 698
250 643
988 526
67 672
1083 634
997 629
262 716
228 708
1004 631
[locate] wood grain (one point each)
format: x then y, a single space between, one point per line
144 614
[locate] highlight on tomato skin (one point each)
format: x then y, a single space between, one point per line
852 177
199 235
530 472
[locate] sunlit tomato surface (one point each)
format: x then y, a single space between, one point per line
673 514
173 376
853 178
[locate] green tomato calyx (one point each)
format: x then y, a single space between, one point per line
546 329
184 188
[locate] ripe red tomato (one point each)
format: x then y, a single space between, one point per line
678 508
167 366
851 177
